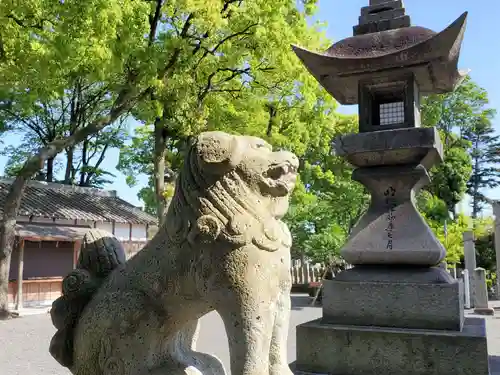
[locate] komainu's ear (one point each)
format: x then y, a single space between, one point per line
218 152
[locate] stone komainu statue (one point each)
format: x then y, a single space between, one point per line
223 247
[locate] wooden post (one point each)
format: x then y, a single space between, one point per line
20 271
76 249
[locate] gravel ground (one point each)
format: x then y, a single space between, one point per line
24 341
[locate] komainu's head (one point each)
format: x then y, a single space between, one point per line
234 189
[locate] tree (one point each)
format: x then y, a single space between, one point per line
163 60
54 120
237 52
461 118
448 232
42 49
327 203
485 152
449 179
485 245
41 121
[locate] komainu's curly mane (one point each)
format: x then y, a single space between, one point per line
100 254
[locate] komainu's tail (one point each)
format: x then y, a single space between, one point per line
100 254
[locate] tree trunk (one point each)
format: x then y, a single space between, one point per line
4 284
69 166
160 150
83 169
122 105
50 170
272 119
7 238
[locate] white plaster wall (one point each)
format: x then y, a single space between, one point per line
42 220
85 222
139 232
108 227
122 231
65 222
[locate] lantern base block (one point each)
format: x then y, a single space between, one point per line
353 350
394 304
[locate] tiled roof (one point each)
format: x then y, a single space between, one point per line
58 232
50 200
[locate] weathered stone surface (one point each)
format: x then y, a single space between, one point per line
494 365
381 16
432 57
481 293
391 147
350 350
390 274
392 231
100 253
379 2
394 304
223 247
373 92
470 261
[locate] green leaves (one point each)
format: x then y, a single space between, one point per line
327 204
470 163
470 146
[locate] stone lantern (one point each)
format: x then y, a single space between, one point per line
396 311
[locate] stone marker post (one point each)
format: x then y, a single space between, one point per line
467 288
470 260
481 293
396 311
496 212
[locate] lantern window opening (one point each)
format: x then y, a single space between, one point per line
392 113
388 101
388 106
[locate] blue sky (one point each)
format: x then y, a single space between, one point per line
479 53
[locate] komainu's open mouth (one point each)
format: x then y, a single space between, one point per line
279 170
279 179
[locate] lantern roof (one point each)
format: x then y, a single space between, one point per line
385 44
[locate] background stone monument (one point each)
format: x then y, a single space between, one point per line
396 311
481 293
470 261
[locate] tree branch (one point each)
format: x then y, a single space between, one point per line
225 7
177 51
21 23
212 51
153 22
125 101
91 173
30 124
3 53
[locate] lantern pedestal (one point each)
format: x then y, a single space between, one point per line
396 312
394 304
355 350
